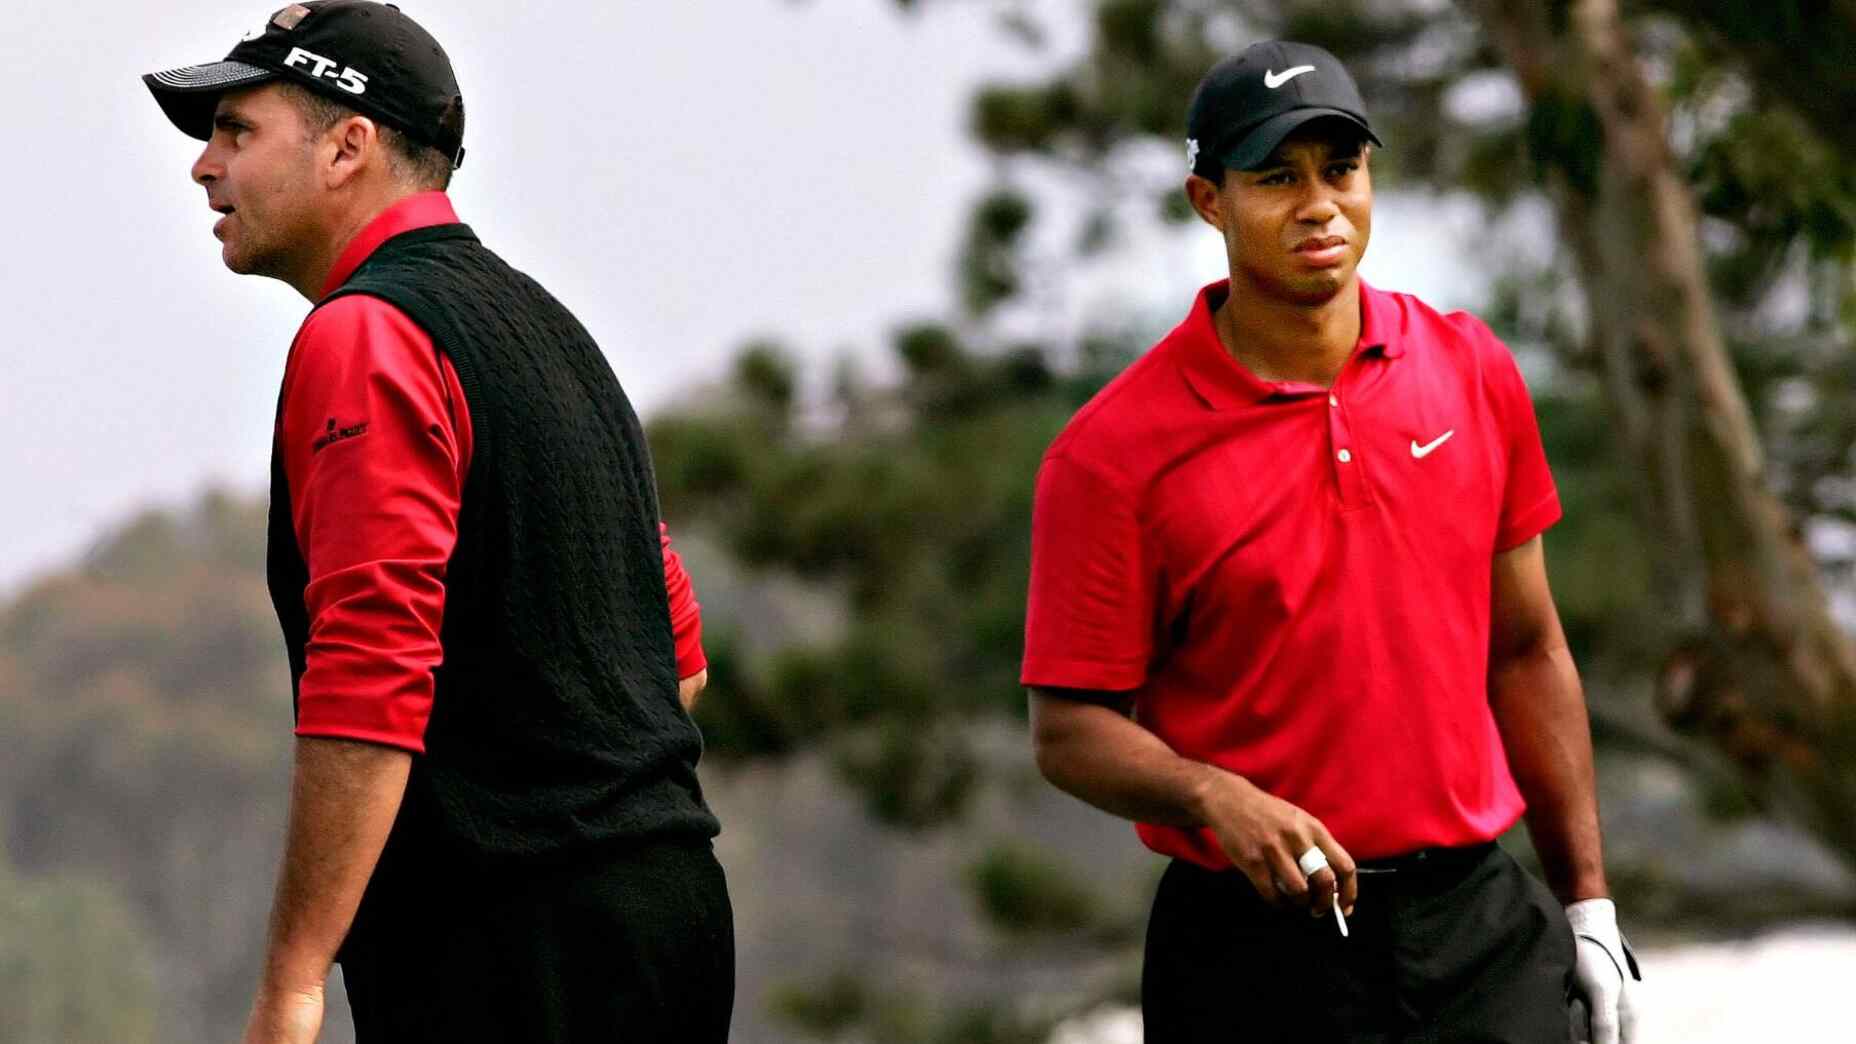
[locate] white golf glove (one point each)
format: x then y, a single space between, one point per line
1604 971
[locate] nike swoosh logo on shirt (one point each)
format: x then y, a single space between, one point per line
1421 452
1273 79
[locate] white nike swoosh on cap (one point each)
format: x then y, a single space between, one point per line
1273 79
1420 452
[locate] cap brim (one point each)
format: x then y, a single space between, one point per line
190 94
1254 147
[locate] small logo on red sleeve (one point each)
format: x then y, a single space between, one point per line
333 434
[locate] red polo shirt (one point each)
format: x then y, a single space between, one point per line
376 441
1292 580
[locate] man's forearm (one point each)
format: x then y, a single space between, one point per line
1097 754
343 800
1540 709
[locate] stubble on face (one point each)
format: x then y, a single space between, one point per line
260 163
1296 229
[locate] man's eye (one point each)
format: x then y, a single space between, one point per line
1281 177
1340 170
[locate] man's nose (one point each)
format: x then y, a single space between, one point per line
1318 207
206 169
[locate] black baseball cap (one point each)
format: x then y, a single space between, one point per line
367 56
1248 103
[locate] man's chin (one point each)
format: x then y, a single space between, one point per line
240 262
1318 287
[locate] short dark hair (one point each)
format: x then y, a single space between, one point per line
413 160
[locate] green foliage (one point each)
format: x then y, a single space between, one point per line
919 510
910 777
1147 68
1023 119
1797 51
738 715
1601 579
1764 171
827 1010
989 261
1021 893
1563 134
765 374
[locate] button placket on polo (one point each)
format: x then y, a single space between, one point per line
1348 462
1349 468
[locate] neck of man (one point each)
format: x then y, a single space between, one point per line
340 229
1283 340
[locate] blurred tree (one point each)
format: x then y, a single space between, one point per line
1021 893
1766 672
74 966
145 744
1798 51
918 507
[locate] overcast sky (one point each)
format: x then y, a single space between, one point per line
684 175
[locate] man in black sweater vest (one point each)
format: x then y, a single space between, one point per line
496 826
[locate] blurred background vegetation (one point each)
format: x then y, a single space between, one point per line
1670 214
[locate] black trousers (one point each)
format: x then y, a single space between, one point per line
635 947
1465 947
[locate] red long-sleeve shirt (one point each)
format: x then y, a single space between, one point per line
376 441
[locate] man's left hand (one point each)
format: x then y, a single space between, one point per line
285 1016
1604 971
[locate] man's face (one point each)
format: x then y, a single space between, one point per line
259 170
1297 227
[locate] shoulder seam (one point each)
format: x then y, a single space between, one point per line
1118 386
1091 471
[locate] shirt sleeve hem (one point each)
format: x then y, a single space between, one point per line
411 745
1529 524
1084 674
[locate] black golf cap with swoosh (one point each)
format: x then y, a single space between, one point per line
368 56
1248 103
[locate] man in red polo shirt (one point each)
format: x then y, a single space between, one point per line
1299 542
495 819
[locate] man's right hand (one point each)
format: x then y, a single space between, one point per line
1264 836
1085 744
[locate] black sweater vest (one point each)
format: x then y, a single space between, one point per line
555 723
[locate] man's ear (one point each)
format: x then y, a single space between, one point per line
1203 194
356 145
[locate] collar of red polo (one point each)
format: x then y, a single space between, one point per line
416 211
1224 383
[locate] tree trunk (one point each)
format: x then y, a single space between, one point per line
1766 674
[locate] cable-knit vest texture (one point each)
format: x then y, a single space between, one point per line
555 724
